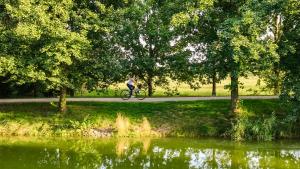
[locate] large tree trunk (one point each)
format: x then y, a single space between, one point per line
234 93
214 85
62 105
150 86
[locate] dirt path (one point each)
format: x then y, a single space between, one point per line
153 99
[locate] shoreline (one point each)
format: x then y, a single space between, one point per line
192 119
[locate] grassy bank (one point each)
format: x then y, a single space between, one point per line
189 119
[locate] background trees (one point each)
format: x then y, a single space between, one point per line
62 45
202 20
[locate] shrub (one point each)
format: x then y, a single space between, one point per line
255 128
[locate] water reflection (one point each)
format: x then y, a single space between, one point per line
145 154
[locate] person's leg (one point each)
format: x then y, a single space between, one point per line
130 88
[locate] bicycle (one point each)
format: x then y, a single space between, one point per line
140 94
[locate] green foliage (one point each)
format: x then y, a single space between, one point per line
228 35
290 63
59 45
103 67
47 48
73 43
144 36
258 128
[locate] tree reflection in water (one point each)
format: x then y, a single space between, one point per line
146 153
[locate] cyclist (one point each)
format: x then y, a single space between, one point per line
130 84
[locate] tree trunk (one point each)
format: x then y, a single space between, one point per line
72 92
277 36
150 86
62 100
214 85
34 90
234 93
276 82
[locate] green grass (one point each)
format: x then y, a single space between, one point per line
249 87
189 119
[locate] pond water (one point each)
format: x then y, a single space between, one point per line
28 153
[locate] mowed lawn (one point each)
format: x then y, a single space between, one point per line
249 87
192 119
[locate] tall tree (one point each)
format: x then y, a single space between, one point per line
290 61
232 31
201 22
145 38
273 74
242 44
100 19
47 49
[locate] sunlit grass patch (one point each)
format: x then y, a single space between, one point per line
248 87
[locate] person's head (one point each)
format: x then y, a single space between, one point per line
130 76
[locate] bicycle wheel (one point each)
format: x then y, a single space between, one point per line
125 94
141 94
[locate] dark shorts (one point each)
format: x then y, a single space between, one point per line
131 87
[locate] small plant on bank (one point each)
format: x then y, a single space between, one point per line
145 127
122 125
239 128
53 104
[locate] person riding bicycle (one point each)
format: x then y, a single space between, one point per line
135 89
130 85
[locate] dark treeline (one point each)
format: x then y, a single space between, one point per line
54 47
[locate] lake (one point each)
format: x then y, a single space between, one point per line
169 153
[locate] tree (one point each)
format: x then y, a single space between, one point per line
145 36
208 25
272 74
244 49
290 62
201 21
232 31
104 64
43 44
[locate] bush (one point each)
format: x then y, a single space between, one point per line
255 128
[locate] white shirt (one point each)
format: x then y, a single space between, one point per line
130 82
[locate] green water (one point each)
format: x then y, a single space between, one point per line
28 153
